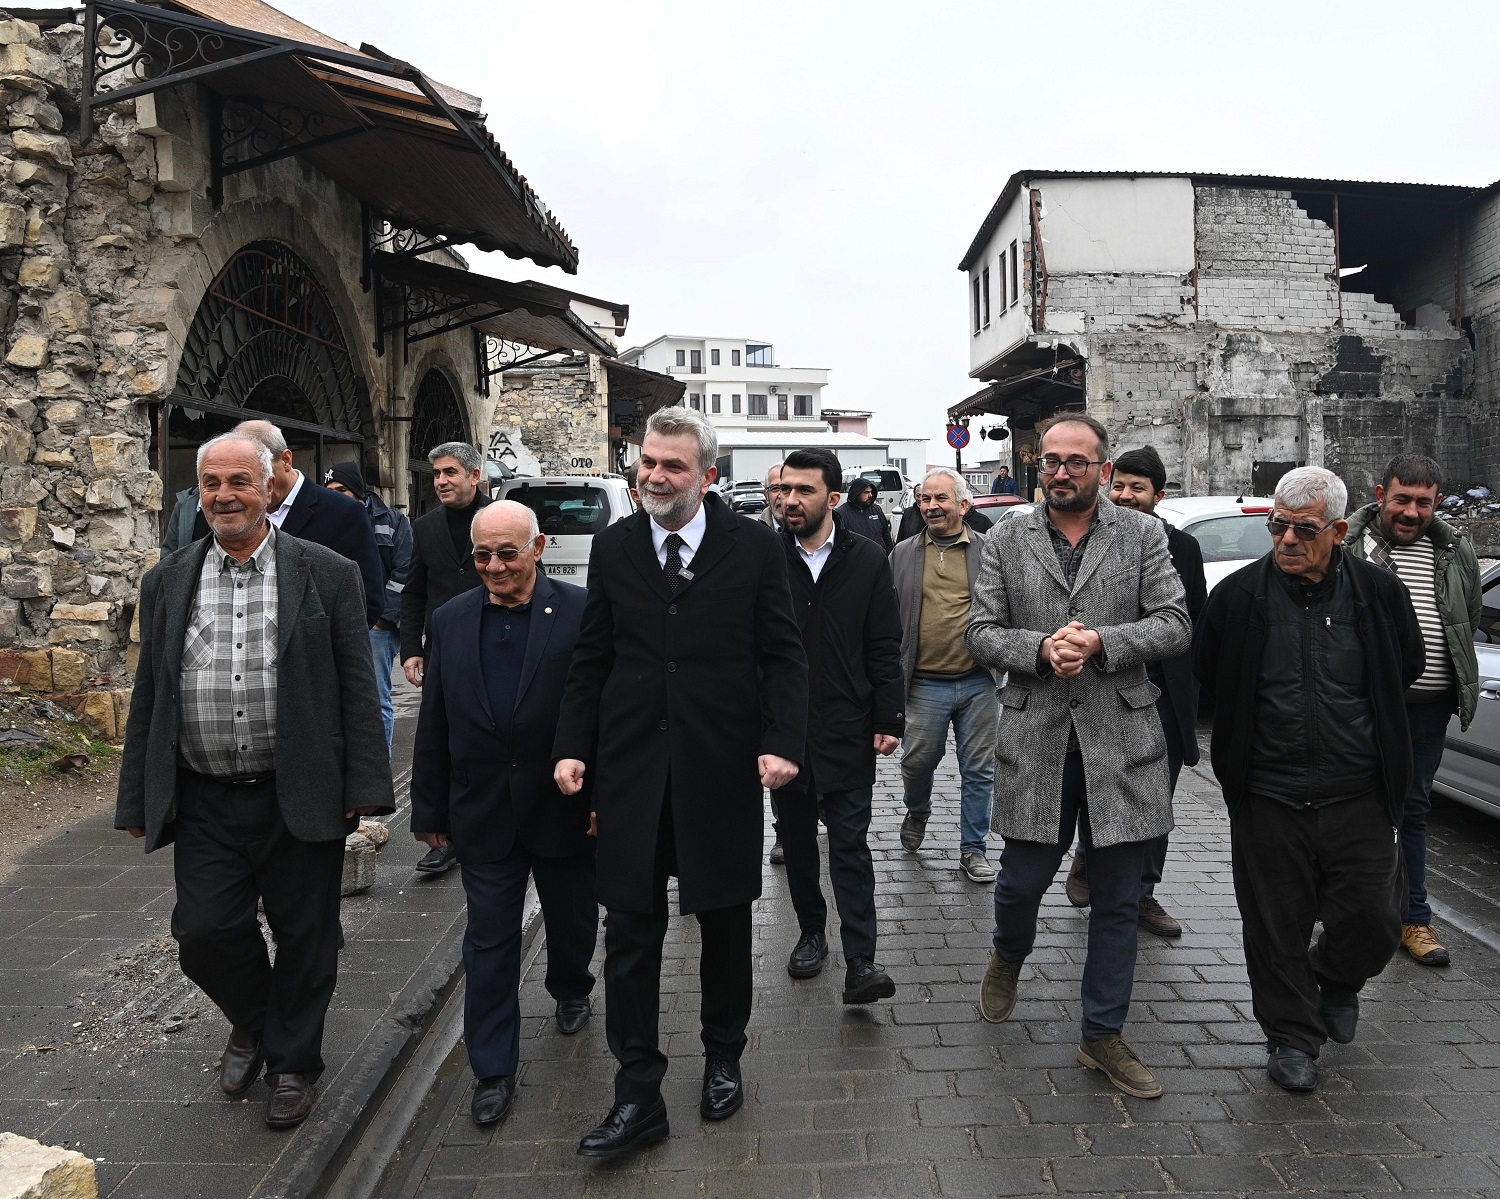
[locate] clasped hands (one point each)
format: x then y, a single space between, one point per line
1068 650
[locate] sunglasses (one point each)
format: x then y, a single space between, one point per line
1304 532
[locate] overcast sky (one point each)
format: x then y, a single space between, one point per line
811 172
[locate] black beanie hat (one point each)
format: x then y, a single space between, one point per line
347 474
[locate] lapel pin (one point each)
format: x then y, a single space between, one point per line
548 611
685 574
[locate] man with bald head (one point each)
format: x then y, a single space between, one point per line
254 740
482 776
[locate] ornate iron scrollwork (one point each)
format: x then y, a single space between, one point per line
437 416
252 132
496 355
130 50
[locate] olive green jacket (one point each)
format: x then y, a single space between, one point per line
1458 598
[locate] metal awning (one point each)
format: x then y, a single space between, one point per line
1038 381
416 152
634 394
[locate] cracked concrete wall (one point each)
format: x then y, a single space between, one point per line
560 413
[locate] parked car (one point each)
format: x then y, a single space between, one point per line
746 495
1230 530
570 509
1470 770
893 491
999 501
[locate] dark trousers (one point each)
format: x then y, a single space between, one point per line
632 979
850 868
496 893
1156 849
232 849
1027 869
1293 866
1429 732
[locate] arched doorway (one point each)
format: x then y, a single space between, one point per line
265 342
437 416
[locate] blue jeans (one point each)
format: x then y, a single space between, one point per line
385 644
969 705
1429 730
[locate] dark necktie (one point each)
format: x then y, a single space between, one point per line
674 562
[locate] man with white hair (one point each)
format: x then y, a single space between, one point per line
935 574
1306 656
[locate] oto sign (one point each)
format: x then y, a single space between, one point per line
958 436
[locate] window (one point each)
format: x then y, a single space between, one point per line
1015 273
734 401
984 294
803 405
758 406
1000 279
565 511
697 367
1232 538
713 360
758 355
975 303
715 400
833 426
695 401
781 408
681 358
734 358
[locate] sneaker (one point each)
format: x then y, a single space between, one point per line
1421 942
1077 886
912 832
1155 919
977 867
865 982
778 855
1120 1065
997 990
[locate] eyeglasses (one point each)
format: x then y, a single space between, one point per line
482 557
1304 532
1050 464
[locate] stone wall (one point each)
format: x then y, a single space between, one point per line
560 413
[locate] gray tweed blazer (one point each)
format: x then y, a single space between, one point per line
1128 592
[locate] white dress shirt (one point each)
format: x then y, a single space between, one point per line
279 514
816 559
691 534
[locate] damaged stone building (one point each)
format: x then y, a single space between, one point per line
1242 325
210 211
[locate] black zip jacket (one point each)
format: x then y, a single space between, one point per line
1232 638
851 633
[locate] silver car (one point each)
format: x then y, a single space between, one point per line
1470 770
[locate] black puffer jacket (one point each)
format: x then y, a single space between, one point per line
864 516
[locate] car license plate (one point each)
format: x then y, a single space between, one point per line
562 570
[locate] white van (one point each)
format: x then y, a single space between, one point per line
570 509
892 492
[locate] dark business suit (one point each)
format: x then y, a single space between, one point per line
485 779
281 841
439 572
670 701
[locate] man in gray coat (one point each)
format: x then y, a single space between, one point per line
253 742
1073 600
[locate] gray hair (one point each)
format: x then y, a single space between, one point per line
1307 485
262 451
533 530
771 470
960 486
468 457
679 422
264 432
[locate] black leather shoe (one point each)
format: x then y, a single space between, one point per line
628 1126
572 1015
778 854
241 1064
865 982
807 959
437 861
723 1091
1340 1011
1291 1069
291 1099
492 1099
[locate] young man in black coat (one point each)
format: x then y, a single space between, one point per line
1139 481
845 602
687 695
863 515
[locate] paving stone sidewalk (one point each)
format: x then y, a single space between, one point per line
918 1096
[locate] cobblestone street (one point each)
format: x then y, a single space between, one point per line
919 1097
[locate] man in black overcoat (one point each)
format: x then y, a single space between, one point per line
687 695
845 602
497 661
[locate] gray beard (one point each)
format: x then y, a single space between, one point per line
672 513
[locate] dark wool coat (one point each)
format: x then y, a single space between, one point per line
851 632
1177 673
1227 652
438 573
684 691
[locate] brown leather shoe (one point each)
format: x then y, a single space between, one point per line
241 1062
291 1099
1077 885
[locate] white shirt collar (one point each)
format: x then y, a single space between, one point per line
818 558
286 505
691 534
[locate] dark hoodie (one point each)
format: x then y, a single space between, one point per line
863 516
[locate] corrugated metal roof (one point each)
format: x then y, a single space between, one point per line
1455 193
